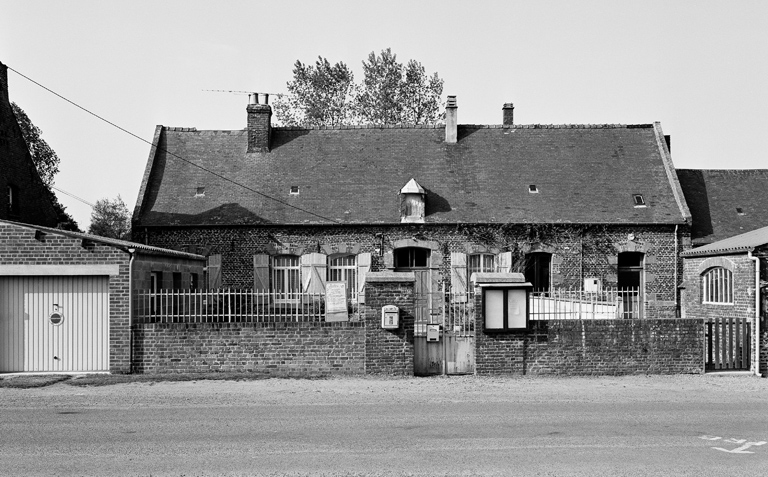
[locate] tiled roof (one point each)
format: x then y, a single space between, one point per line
122 244
725 203
743 243
352 175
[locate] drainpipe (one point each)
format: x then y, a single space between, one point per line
757 311
678 311
132 252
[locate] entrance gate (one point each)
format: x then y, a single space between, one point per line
454 351
728 344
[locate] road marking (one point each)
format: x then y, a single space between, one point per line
739 450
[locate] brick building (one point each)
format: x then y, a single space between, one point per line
23 196
726 284
65 297
288 208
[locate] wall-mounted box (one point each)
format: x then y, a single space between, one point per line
390 317
505 298
593 285
433 332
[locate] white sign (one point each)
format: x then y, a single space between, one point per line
336 301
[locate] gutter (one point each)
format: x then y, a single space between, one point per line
757 311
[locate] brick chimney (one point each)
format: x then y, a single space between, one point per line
451 120
509 113
259 124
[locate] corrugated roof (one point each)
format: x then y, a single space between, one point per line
724 203
742 243
123 244
584 174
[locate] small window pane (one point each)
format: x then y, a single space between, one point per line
494 309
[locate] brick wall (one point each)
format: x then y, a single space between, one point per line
389 351
18 170
595 347
583 252
269 349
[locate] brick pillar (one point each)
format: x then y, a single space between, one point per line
259 127
389 351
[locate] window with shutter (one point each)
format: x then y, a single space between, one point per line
286 279
343 268
504 262
313 273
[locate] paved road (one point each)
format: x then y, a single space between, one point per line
685 425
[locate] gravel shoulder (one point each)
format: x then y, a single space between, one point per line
372 390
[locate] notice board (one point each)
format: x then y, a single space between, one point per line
336 301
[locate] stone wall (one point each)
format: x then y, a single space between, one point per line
268 349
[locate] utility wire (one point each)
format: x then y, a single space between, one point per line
73 196
171 153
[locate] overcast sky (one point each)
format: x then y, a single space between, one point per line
698 67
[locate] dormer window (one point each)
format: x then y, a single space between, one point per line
638 200
412 206
294 190
740 211
200 192
532 189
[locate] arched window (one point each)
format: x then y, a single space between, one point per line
717 286
480 263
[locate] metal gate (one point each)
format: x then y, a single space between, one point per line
728 344
54 324
453 351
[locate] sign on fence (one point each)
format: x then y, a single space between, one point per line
336 301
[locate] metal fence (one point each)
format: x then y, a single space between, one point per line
563 304
232 305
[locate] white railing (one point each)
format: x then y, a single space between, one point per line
232 305
562 304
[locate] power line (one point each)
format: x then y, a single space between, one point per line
73 196
173 154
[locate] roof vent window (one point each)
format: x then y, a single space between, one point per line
638 200
294 190
740 211
533 189
200 192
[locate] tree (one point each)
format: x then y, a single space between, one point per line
110 218
46 162
320 95
391 93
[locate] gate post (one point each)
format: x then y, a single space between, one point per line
389 351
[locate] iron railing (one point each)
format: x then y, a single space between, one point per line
564 304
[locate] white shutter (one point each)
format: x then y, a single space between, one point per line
214 272
459 276
363 267
504 262
313 266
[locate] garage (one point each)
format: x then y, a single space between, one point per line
54 323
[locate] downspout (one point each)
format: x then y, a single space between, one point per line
757 311
678 310
132 252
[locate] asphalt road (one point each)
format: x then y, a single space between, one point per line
680 425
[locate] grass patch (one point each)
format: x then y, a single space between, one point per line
36 381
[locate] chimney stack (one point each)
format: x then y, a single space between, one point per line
509 113
259 124
451 120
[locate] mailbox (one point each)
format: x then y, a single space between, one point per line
390 317
433 332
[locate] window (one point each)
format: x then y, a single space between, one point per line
717 286
532 189
286 277
13 200
193 281
200 192
480 263
638 200
343 268
411 257
177 280
294 190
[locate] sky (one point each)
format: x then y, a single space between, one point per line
698 67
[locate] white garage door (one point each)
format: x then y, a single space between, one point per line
54 323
